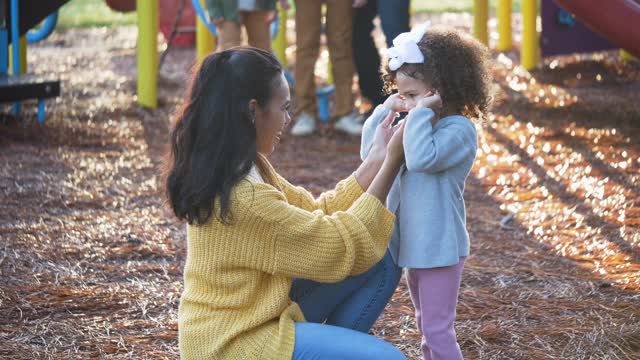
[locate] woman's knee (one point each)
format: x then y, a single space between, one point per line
318 341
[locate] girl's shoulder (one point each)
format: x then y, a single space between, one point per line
459 122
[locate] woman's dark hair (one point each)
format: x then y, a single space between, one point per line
457 66
213 137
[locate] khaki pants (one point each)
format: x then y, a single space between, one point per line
308 29
258 31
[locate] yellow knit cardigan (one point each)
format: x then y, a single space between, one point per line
237 277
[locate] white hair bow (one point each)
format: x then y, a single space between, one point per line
405 47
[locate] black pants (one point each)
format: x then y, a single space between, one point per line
394 16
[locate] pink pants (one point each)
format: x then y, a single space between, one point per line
434 293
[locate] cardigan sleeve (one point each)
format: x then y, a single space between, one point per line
321 247
429 151
341 198
369 130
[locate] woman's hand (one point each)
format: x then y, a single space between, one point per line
395 103
382 136
386 174
395 148
431 101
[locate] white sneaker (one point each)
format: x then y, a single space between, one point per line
349 124
305 125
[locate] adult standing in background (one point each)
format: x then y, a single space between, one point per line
394 18
339 21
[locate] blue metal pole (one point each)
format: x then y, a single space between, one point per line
41 111
15 43
4 51
46 29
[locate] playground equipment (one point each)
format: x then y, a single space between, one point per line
17 87
14 24
614 24
148 26
205 38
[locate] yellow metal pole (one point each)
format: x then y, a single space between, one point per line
480 19
23 55
147 52
529 50
205 41
504 25
280 42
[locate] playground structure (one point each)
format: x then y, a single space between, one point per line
612 24
15 84
24 15
148 60
19 86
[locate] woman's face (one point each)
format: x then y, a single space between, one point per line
411 90
272 119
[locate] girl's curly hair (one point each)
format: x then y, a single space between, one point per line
457 66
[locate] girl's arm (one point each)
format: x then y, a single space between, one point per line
431 152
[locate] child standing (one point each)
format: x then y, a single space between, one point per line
255 15
442 78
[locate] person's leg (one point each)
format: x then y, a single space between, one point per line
414 292
320 341
365 54
438 289
339 35
354 303
258 29
363 307
394 18
229 35
308 27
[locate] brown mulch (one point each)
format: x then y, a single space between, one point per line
91 261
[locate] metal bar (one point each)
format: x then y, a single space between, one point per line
41 111
147 52
15 45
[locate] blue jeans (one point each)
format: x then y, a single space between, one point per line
348 309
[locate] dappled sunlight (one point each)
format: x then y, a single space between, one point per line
92 260
521 82
561 199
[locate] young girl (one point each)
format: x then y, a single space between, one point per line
443 80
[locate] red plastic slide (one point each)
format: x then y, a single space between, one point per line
616 20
